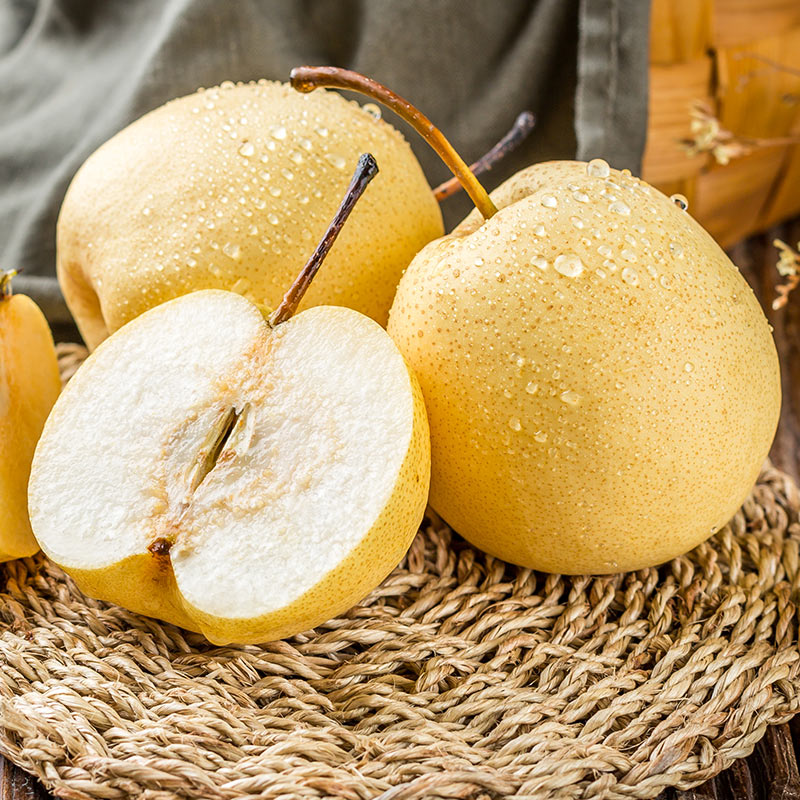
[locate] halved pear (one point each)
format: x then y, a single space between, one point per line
243 480
244 476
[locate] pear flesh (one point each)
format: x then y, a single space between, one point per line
244 481
29 385
226 189
601 383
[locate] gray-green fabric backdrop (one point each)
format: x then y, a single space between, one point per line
73 72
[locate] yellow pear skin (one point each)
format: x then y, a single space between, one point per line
229 188
29 385
601 383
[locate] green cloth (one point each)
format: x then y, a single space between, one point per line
73 72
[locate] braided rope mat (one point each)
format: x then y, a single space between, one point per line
459 677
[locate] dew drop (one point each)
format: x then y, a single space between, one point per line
680 201
336 160
304 199
628 255
688 366
577 222
515 424
549 201
272 219
532 388
232 250
676 249
278 133
297 157
604 250
570 398
581 197
629 276
322 131
373 110
620 208
253 230
568 265
540 436
247 149
539 262
305 144
598 168
288 174
539 230
275 191
146 211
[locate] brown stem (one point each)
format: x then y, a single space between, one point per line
306 79
5 283
366 170
522 126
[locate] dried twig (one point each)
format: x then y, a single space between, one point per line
708 136
789 267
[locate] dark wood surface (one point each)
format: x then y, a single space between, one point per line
771 772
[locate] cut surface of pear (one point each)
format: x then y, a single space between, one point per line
226 188
246 481
29 385
601 383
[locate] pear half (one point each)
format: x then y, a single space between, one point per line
234 478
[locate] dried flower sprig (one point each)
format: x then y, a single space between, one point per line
708 136
789 267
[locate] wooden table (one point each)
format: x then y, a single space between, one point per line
771 772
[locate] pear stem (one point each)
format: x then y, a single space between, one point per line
519 131
5 283
366 170
306 79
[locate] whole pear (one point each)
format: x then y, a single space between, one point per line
601 383
228 188
29 385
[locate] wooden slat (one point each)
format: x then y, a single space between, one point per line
673 89
785 199
729 201
680 30
737 22
18 785
758 85
774 765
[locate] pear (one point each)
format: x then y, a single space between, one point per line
228 188
601 383
241 476
29 385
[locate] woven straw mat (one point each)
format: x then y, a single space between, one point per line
461 676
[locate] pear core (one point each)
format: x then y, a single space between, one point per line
601 383
244 481
228 188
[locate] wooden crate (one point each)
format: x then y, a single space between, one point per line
742 58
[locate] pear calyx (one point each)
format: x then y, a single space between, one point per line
306 79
